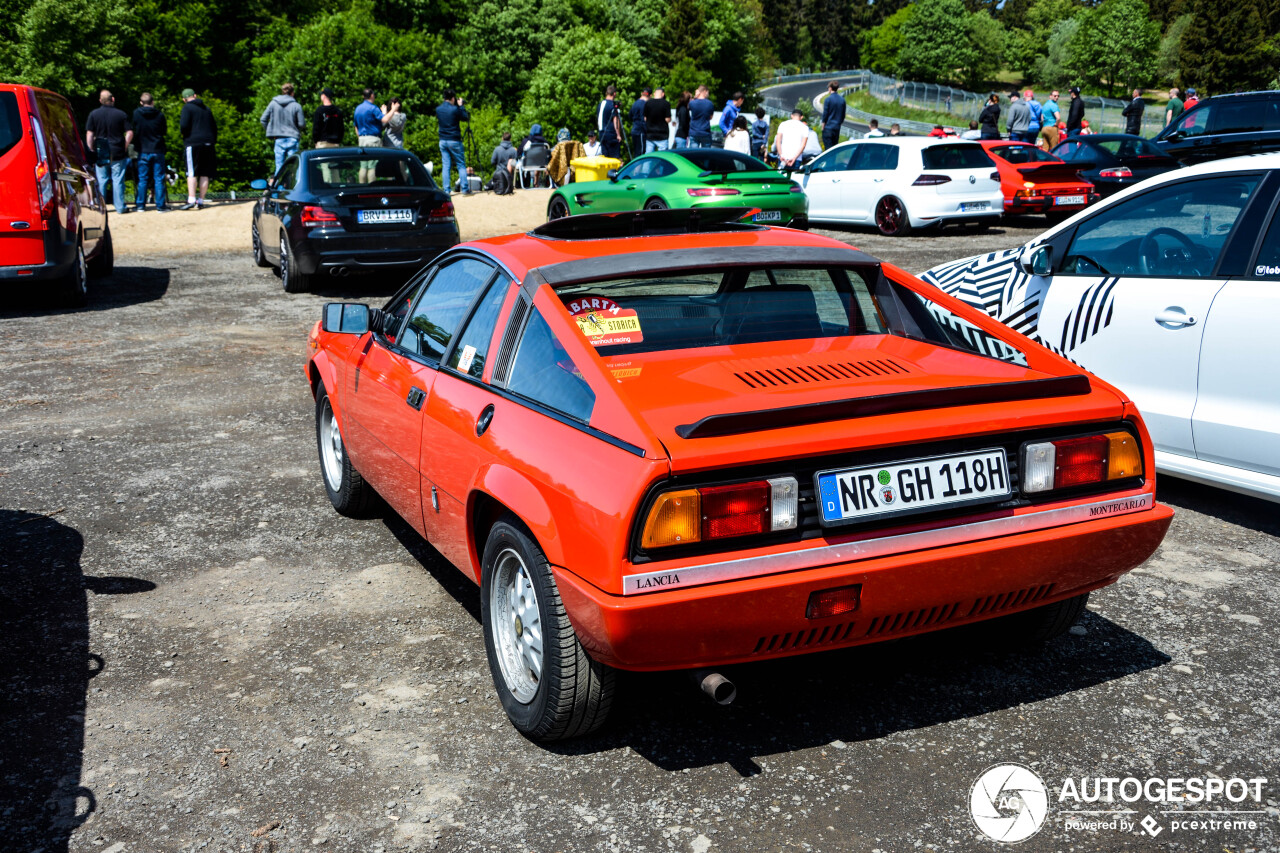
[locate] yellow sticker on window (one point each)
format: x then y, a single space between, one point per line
605 323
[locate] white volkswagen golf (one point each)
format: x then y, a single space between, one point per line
1170 291
900 183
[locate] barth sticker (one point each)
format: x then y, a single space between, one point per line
604 322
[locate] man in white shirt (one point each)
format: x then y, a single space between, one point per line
591 146
874 129
791 139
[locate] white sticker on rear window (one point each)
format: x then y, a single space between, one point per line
464 360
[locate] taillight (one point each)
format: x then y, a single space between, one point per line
931 180
313 216
796 188
441 213
1117 172
702 192
1067 462
44 183
995 176
684 516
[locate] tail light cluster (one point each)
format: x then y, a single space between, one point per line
442 212
1117 172
44 176
703 192
931 180
1068 462
686 516
314 216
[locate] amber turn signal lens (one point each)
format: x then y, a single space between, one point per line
1124 457
676 518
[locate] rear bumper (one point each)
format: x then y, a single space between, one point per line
930 210
321 250
59 255
1044 204
901 594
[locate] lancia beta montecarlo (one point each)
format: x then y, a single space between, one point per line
673 440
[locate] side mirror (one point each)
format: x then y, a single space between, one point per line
259 184
1176 136
347 318
613 175
1036 260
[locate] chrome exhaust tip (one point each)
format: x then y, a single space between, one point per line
715 686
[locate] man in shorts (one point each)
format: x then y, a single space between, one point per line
199 138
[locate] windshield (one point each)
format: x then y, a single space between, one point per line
366 170
697 308
956 156
1021 154
716 160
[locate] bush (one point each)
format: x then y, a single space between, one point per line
569 82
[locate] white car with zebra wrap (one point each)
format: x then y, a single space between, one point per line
1170 291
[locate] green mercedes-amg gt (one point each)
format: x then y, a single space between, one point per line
689 177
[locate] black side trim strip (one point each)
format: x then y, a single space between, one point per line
735 423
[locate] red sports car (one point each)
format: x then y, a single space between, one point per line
1035 181
670 440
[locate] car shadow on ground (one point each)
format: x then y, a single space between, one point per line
124 287
1224 505
847 695
45 669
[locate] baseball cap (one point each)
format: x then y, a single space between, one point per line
327 92
1191 91
188 93
1075 90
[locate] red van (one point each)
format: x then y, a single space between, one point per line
53 218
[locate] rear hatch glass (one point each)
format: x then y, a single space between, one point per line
375 189
718 160
956 156
10 122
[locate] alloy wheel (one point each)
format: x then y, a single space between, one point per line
517 626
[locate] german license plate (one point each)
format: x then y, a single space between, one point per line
378 217
1068 199
969 206
855 494
768 216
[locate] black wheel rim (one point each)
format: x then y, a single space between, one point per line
889 215
284 261
558 210
257 244
655 205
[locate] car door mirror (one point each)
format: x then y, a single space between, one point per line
1036 260
258 184
1176 136
613 175
348 318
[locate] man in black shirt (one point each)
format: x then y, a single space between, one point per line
328 125
657 122
200 137
636 116
149 128
108 135
609 123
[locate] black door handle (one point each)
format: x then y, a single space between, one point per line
486 418
415 398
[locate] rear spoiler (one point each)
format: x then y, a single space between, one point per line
1038 172
736 423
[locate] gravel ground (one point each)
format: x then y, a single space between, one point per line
199 654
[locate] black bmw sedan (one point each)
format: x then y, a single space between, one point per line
1114 161
340 211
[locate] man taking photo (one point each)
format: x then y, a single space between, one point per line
450 115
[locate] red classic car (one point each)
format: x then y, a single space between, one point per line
659 440
1035 181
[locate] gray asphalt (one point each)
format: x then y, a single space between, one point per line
199 654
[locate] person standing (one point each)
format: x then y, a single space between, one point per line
739 138
1052 114
791 139
369 122
283 123
732 107
1132 113
108 135
1075 113
1037 115
592 147
609 124
833 110
1191 101
1174 108
657 122
149 129
450 115
759 133
1019 118
636 117
682 120
873 129
327 125
503 161
394 119
700 112
989 118
895 129
199 138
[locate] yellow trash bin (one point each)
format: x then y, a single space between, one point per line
593 168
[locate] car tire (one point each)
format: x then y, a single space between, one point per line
891 217
292 280
557 209
73 291
549 686
656 204
102 265
259 257
348 492
1044 623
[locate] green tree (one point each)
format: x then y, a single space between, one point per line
938 39
1167 60
685 75
568 83
987 39
1228 47
882 44
70 46
1053 69
684 30
1116 45
1028 42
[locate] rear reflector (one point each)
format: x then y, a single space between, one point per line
833 602
722 512
313 216
1049 465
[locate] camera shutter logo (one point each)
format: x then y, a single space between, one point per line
1009 803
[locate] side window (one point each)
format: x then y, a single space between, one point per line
400 304
661 168
636 170
443 305
473 344
1069 150
1196 122
1268 264
544 373
1176 231
61 131
834 161
876 156
288 177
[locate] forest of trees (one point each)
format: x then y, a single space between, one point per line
519 61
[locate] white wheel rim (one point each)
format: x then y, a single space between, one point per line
284 259
330 447
516 625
